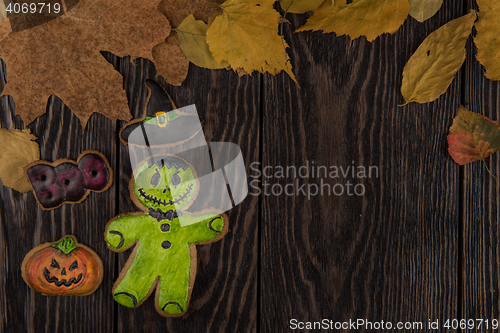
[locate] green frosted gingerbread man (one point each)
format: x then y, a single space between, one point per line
164 256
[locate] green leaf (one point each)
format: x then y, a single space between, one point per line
472 137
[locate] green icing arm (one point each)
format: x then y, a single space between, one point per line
205 228
123 231
186 219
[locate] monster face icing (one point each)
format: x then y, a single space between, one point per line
165 184
164 257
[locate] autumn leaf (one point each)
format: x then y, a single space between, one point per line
487 40
422 10
432 67
177 10
369 18
246 36
3 12
472 137
193 39
17 150
170 60
62 55
299 6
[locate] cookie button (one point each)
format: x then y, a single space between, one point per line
165 227
166 245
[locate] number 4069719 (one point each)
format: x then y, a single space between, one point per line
41 7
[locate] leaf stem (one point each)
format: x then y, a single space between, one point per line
281 29
484 163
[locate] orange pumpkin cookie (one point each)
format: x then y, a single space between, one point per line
65 267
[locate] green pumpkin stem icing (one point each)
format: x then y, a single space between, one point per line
65 245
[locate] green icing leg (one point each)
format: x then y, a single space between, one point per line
135 286
129 294
173 289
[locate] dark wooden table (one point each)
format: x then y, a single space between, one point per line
420 244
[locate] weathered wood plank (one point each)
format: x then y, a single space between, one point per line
392 253
480 199
25 225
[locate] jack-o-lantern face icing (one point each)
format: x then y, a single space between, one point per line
64 278
63 268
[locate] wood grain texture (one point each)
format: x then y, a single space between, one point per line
25 225
421 242
481 197
392 253
224 296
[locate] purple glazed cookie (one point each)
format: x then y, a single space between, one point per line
95 170
68 181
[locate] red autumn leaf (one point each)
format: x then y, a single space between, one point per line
472 137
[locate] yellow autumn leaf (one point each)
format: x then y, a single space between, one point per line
16 151
422 10
193 40
370 18
487 39
299 6
246 36
3 11
432 67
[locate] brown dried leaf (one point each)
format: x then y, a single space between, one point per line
170 61
17 150
62 55
177 10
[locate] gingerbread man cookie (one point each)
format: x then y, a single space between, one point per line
164 256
